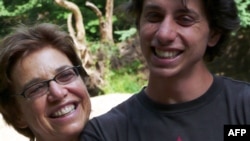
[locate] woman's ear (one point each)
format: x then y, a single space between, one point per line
214 37
14 115
21 122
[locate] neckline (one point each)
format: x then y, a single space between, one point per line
204 99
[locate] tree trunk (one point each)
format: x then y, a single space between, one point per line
109 19
77 32
105 23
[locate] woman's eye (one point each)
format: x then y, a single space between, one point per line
66 76
36 89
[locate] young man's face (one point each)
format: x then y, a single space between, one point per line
174 37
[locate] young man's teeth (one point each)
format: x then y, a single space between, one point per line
64 111
166 54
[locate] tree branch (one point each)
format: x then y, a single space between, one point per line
78 18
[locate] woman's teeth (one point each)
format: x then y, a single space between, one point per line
166 54
65 110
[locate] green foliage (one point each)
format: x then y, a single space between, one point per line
94 47
125 34
244 11
122 81
124 77
92 25
17 9
105 49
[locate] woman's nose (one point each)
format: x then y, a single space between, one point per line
56 91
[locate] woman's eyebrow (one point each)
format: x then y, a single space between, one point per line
31 82
61 68
37 80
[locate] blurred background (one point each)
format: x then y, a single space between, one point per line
107 40
109 48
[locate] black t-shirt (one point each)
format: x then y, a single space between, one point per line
140 119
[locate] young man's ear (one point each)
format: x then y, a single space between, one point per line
214 37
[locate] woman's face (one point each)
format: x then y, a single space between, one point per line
62 112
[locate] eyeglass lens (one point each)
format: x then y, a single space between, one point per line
65 77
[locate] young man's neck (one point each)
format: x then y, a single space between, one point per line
178 90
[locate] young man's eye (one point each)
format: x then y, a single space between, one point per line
185 20
153 17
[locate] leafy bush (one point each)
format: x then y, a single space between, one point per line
123 82
120 73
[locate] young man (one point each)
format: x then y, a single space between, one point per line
183 101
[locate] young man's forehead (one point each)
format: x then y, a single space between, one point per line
183 2
152 4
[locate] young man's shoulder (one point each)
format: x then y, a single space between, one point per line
236 90
234 83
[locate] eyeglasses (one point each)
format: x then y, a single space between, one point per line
64 77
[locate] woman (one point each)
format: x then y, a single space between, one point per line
41 93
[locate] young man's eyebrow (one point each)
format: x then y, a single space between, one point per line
151 7
188 11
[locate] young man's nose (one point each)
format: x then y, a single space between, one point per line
56 91
166 31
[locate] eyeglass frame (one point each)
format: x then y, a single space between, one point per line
75 69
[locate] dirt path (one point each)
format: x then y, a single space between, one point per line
100 105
